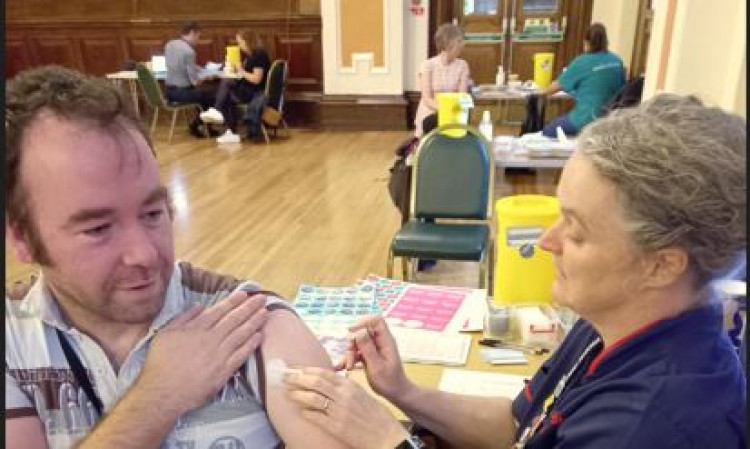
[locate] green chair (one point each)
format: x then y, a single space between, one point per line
155 98
272 115
452 184
273 112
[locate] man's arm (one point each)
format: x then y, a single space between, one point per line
25 432
287 338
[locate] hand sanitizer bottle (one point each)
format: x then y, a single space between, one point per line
485 126
500 77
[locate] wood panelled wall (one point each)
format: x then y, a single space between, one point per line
97 37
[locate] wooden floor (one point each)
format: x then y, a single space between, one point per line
310 208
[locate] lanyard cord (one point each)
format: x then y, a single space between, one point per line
79 372
530 430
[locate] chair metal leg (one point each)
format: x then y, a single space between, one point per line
198 111
483 271
389 265
486 265
491 269
153 120
405 268
265 133
174 120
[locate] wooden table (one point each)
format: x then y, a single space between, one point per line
429 375
130 77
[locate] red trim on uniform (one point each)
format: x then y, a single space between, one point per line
555 418
602 355
527 391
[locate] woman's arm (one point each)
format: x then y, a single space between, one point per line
463 83
425 86
552 89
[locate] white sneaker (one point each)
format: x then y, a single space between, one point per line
212 116
228 137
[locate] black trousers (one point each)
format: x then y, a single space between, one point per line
203 94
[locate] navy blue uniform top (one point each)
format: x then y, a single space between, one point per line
676 383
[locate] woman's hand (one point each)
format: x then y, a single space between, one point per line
344 409
373 344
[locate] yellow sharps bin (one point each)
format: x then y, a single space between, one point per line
543 64
453 107
233 54
524 273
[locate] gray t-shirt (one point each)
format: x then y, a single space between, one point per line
182 71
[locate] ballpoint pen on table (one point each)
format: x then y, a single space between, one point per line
525 348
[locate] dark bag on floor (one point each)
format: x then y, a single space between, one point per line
399 182
534 120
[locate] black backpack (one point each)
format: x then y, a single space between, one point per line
629 95
534 120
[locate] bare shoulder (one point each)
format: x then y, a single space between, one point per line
286 336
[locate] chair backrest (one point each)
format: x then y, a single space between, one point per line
453 176
150 87
276 84
629 95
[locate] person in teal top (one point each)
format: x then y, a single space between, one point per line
592 79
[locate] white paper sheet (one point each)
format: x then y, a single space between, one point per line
479 383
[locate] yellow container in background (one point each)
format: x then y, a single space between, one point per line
543 64
524 272
233 55
453 107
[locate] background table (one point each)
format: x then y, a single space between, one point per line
500 98
130 77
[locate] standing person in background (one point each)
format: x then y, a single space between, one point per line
248 88
186 81
592 79
445 72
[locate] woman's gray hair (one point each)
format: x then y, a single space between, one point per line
446 34
679 169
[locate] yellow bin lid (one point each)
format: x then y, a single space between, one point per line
527 206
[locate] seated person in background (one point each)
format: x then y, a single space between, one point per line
186 81
592 79
654 208
248 88
445 72
116 345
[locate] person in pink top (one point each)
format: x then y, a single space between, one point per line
445 72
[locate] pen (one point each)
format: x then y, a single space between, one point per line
494 343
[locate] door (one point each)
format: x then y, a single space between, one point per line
483 23
537 26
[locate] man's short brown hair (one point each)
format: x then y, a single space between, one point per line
69 95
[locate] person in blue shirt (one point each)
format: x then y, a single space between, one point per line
653 209
591 79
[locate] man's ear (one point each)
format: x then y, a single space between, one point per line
665 266
19 242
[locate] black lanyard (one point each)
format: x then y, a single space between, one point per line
558 391
80 373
